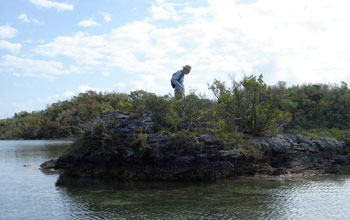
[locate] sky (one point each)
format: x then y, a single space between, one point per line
53 50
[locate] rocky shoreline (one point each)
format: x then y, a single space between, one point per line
163 157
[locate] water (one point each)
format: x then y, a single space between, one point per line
27 193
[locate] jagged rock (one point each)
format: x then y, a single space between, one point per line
206 138
234 153
304 139
49 167
278 144
48 164
329 144
165 157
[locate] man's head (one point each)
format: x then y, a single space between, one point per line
187 69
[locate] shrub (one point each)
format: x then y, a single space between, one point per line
250 106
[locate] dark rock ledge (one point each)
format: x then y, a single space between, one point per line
162 158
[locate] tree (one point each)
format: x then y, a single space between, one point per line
250 106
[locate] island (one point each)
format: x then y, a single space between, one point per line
125 146
244 128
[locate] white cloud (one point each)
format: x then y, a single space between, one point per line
88 22
74 69
295 41
146 82
68 94
33 75
26 67
106 16
106 73
13 48
23 18
291 41
36 21
59 6
7 32
120 87
84 88
84 49
161 9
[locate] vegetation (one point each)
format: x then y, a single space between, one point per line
248 106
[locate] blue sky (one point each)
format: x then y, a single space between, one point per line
51 50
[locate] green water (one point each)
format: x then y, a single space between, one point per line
27 193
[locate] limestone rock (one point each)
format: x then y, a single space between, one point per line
143 154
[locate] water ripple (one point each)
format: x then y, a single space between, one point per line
26 193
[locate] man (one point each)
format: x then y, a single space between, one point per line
177 81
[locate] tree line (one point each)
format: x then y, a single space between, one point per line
246 106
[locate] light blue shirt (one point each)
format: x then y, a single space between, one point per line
178 80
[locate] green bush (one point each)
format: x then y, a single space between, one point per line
250 105
184 142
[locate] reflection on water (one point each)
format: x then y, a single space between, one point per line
31 151
26 193
242 198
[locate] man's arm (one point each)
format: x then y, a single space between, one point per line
175 79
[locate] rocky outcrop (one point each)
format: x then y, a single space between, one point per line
49 167
132 150
288 154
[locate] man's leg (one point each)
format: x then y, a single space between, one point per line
179 93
